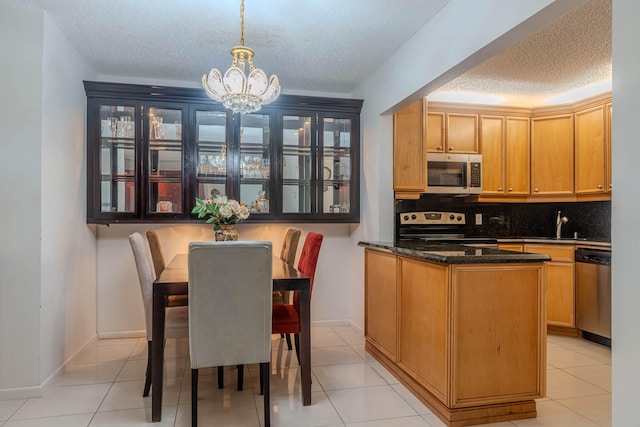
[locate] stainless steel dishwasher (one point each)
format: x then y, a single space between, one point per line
593 294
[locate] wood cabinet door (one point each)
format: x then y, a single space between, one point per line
517 147
552 155
559 273
424 343
591 152
381 301
493 161
435 132
462 133
409 162
560 294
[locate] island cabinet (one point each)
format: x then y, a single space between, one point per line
505 155
552 155
469 340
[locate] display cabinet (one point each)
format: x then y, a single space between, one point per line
152 150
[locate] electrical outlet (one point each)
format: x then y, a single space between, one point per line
478 219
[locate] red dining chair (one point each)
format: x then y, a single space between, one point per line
286 317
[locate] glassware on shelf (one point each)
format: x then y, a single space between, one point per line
263 202
113 125
178 124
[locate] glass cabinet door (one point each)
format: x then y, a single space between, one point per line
117 158
298 171
255 162
336 165
211 153
164 162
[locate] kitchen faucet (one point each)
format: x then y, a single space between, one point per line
559 221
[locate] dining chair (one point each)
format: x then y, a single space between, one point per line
230 302
286 317
176 321
157 255
288 255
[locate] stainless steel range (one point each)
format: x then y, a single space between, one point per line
434 228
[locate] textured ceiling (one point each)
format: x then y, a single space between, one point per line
312 45
326 46
570 53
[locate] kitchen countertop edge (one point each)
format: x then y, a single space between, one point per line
554 241
476 256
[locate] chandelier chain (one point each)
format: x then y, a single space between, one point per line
242 23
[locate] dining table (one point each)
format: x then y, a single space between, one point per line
174 280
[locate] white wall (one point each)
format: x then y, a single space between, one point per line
47 276
120 311
20 197
68 280
625 210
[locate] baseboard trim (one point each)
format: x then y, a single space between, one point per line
122 334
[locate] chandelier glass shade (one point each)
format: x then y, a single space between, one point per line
238 91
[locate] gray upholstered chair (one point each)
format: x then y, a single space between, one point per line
288 255
157 255
177 321
230 300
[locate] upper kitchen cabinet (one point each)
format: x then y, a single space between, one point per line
505 149
451 131
593 148
552 155
409 151
152 150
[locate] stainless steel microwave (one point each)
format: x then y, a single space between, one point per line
459 174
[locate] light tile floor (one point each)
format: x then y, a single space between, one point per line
103 387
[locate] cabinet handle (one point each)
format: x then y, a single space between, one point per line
450 148
440 148
609 185
600 186
510 189
535 190
499 188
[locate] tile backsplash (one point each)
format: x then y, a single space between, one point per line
589 219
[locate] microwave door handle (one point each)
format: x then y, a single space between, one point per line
468 178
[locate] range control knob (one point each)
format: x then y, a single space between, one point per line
413 217
452 217
406 217
459 218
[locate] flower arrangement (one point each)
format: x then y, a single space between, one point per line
221 211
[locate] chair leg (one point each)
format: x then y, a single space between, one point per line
261 380
288 337
220 376
264 375
296 338
147 380
240 377
194 398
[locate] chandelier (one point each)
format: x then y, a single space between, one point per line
237 91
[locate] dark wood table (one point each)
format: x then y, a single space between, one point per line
174 281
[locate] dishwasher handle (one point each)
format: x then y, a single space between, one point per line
593 256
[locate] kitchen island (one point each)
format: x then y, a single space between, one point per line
462 327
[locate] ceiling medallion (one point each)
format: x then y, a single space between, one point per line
237 91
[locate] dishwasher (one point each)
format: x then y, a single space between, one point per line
593 294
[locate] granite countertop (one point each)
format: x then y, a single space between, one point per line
457 254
